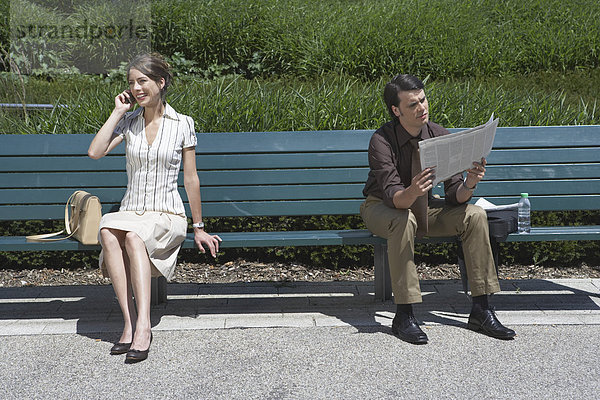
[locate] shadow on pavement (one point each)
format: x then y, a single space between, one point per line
95 313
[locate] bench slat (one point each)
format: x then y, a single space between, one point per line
285 161
557 233
258 142
287 176
505 189
203 162
542 172
544 156
546 136
230 239
539 188
309 238
291 208
208 143
209 209
209 193
220 178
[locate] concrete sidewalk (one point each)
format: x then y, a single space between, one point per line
86 309
307 341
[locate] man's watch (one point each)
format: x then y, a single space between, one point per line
464 183
198 225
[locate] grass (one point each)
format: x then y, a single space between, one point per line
373 38
365 39
333 101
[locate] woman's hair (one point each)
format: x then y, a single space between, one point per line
154 67
399 83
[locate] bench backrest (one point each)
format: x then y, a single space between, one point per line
559 166
294 173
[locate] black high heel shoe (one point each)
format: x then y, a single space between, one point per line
134 356
120 348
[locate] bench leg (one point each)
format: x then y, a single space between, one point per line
383 281
158 291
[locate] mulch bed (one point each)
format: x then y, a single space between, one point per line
247 271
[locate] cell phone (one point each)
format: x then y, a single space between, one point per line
129 99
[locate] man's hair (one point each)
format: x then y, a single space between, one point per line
399 83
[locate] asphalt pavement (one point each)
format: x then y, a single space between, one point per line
302 341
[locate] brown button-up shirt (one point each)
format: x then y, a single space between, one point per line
390 155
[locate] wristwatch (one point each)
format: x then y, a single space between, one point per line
198 225
464 183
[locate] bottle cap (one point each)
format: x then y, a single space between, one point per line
524 194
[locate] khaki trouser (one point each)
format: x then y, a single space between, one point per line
467 221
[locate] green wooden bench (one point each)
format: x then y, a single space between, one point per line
296 174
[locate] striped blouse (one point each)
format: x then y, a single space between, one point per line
152 170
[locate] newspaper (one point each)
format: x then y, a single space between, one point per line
455 153
489 206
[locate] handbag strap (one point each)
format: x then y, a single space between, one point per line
46 237
67 218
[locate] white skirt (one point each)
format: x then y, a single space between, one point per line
163 234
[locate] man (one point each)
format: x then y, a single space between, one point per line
399 206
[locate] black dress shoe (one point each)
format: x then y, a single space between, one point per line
407 329
134 356
485 321
120 348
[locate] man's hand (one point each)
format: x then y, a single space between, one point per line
475 174
422 182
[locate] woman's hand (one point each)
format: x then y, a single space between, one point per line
106 140
205 239
122 101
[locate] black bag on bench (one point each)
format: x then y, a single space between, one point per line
501 223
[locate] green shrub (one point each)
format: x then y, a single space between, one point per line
4 33
373 38
235 104
361 38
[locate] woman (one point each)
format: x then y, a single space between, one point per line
143 238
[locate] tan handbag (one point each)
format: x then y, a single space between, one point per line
82 220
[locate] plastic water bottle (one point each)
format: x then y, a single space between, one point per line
524 214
